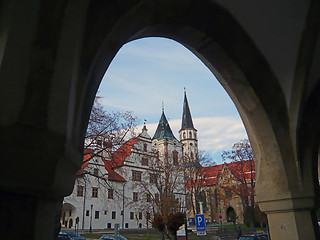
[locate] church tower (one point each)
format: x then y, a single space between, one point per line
188 134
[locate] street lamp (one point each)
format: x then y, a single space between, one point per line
123 205
91 219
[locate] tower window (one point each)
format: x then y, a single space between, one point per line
145 147
175 157
190 134
184 135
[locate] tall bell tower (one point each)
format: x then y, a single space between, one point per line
188 134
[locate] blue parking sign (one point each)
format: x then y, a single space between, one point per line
201 224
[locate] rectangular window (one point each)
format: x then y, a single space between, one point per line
148 216
80 191
110 193
114 215
121 212
135 197
136 176
109 225
127 225
87 213
175 158
153 178
94 192
156 198
131 215
96 172
145 147
145 162
96 214
140 215
148 197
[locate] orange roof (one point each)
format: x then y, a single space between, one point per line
118 158
207 176
122 152
87 154
112 175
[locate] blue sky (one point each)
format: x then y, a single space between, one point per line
149 71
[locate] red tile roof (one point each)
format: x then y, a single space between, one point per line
112 175
118 158
207 176
87 154
123 152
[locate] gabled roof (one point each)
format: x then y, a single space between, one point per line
112 175
186 115
87 154
163 130
122 152
208 176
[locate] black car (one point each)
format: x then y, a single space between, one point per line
260 236
74 236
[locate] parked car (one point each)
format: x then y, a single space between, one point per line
63 236
260 236
74 236
111 237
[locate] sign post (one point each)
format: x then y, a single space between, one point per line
201 225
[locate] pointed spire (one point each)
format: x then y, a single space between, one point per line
186 115
163 130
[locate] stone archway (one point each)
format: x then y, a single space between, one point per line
231 214
68 216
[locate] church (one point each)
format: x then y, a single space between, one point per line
143 177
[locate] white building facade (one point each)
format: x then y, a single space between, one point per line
128 189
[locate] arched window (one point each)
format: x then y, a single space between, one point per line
195 135
145 147
184 135
190 134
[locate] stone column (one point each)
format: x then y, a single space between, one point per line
290 218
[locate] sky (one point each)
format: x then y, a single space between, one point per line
151 72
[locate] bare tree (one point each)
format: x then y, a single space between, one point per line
106 132
243 169
196 173
164 189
